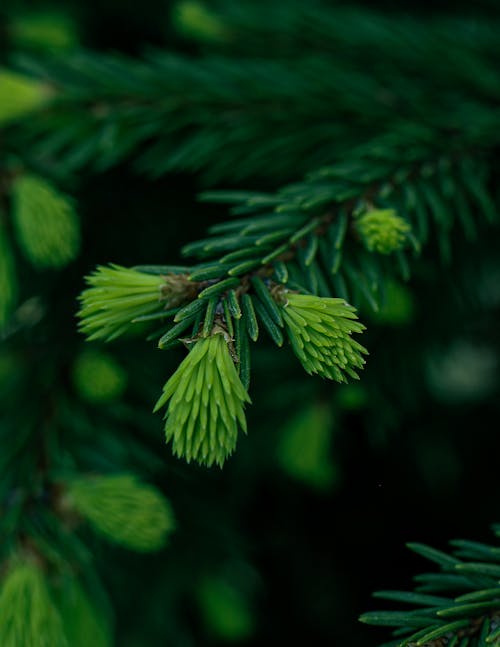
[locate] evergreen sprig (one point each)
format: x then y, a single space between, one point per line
28 615
306 235
415 164
382 230
322 28
118 296
170 112
20 96
336 237
320 332
459 605
45 222
37 610
122 509
205 400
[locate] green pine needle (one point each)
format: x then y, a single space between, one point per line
118 295
28 617
320 332
205 399
383 231
46 224
125 511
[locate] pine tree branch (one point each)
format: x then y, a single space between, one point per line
460 605
173 113
337 234
347 32
279 266
320 236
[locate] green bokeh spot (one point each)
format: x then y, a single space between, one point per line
194 20
98 377
48 31
304 447
398 307
352 397
20 95
225 609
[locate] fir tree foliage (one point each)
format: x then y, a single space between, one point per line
365 165
458 605
205 399
458 60
119 296
382 230
311 243
20 96
319 330
122 509
45 222
320 333
28 615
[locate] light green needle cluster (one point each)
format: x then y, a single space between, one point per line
45 222
122 509
206 401
28 617
117 296
20 95
383 231
320 332
8 278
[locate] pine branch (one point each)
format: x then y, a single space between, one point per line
288 263
347 32
43 222
340 233
50 485
173 113
459 605
381 202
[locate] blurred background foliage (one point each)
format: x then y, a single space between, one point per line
312 513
